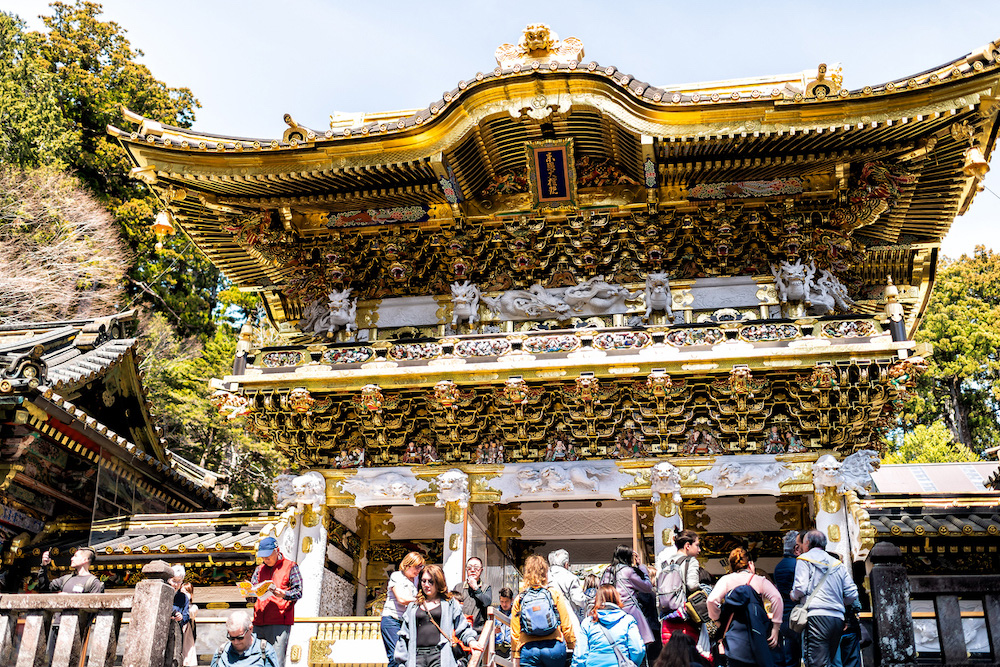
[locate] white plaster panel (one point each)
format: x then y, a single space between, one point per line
408 311
548 523
417 523
731 516
556 481
745 474
736 292
347 516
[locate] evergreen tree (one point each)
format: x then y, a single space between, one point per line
962 323
929 444
94 72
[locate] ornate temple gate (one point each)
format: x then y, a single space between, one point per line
558 284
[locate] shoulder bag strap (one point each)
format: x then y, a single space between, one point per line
623 661
453 640
809 598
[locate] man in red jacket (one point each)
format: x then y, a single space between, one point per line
274 612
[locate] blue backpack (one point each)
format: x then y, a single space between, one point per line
539 615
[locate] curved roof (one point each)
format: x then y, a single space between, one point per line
446 159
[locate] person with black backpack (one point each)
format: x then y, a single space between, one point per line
749 632
540 625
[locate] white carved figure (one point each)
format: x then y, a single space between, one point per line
733 474
390 485
343 311
559 479
832 294
854 473
532 302
464 302
283 493
339 312
307 489
529 480
794 281
658 296
665 479
453 486
597 295
797 283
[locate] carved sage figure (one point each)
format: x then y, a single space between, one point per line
658 296
464 302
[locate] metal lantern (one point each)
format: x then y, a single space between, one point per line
975 163
163 225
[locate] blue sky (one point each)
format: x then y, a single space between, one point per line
252 61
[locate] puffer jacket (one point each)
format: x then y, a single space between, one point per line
592 647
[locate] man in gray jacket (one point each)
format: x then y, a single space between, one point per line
821 639
569 585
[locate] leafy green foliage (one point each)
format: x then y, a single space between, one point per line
962 322
61 88
33 129
177 371
930 444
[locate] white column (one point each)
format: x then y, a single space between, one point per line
833 480
665 482
306 545
453 496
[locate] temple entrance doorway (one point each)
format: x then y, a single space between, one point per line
589 530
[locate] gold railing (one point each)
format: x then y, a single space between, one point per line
333 629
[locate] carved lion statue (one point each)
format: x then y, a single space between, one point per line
307 489
852 474
658 295
665 479
464 302
453 486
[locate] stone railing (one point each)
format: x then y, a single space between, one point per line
90 624
958 615
489 347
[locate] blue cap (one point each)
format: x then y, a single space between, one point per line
266 547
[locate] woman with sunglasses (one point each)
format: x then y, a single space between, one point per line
402 591
434 632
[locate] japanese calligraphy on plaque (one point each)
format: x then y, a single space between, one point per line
551 173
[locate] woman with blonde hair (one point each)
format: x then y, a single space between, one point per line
608 632
401 592
540 625
736 599
434 631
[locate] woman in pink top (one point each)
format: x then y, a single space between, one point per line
742 572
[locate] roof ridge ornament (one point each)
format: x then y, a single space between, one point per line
539 43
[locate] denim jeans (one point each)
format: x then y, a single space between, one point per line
545 653
390 635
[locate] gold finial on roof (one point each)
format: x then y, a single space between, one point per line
539 43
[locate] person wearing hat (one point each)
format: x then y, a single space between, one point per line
274 613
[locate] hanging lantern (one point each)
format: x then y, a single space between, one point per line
163 225
975 163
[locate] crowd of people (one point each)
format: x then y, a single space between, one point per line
633 615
